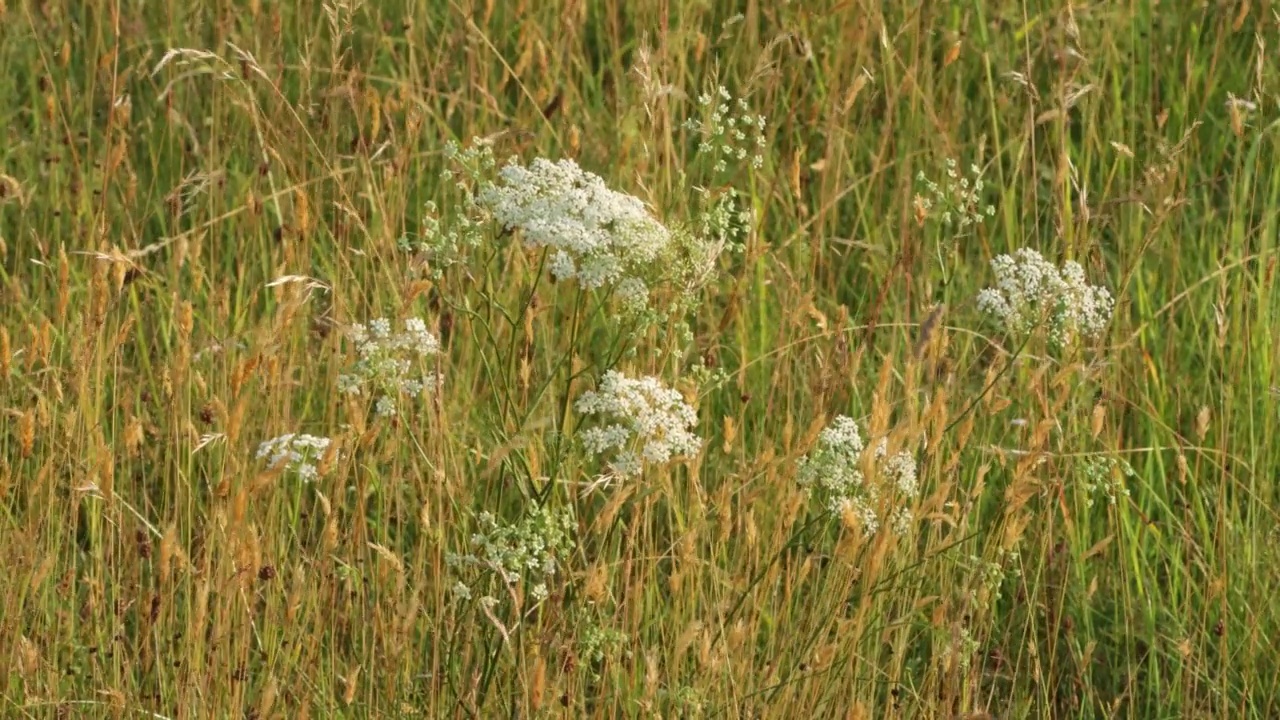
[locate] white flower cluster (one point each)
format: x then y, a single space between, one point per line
297 453
959 202
962 647
1107 476
534 549
596 643
731 140
447 237
900 468
832 473
723 218
597 236
726 135
444 243
1030 290
592 234
386 363
991 575
650 423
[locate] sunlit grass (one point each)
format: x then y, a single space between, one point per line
206 208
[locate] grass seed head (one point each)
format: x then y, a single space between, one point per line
6 354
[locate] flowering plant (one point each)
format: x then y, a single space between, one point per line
650 423
1030 290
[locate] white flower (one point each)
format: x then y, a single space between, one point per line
832 474
723 134
831 471
902 520
598 234
1030 290
901 470
651 423
1106 476
561 266
1083 308
386 363
533 549
626 464
866 516
600 440
385 406
633 294
591 234
959 198
418 338
295 453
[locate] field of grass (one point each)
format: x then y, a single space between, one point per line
205 206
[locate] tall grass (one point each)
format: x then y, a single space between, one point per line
200 200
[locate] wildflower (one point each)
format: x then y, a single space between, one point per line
991 575
632 294
831 471
962 648
720 219
1029 290
461 591
730 130
648 423
863 515
296 453
598 235
1106 476
444 243
385 367
540 592
901 521
593 235
731 137
596 643
534 549
958 199
832 474
901 470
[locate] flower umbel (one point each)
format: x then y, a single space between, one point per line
599 238
958 201
832 474
533 549
731 133
1030 290
386 366
298 454
596 235
732 138
1106 476
647 423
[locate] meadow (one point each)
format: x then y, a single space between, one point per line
670 358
